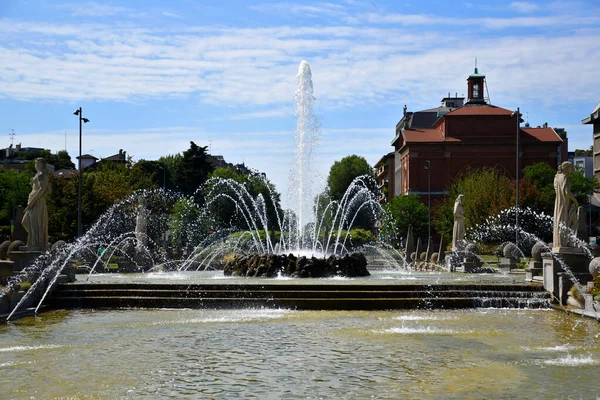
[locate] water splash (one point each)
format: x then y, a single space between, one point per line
307 136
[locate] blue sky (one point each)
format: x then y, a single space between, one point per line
152 75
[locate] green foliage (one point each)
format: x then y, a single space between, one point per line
589 152
193 169
186 228
60 160
108 184
171 164
14 191
537 189
487 191
582 187
62 208
343 172
359 237
401 212
539 192
224 210
596 288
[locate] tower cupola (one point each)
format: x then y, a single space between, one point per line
475 88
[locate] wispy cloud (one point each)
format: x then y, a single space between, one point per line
171 15
314 10
524 6
92 9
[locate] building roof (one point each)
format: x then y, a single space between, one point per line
484 109
384 159
87 156
476 74
425 135
594 115
540 134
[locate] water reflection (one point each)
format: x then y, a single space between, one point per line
267 354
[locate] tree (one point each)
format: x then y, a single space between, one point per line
193 169
589 152
343 172
401 212
171 164
60 160
541 176
223 208
537 187
14 191
487 192
108 184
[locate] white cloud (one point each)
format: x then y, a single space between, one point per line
171 15
351 65
315 10
524 6
92 9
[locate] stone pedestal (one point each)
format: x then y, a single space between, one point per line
508 263
6 270
535 269
562 268
23 258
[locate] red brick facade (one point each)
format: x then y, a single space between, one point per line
475 134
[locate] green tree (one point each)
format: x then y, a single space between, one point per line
589 152
541 176
62 208
193 169
224 209
537 187
582 187
171 164
14 191
343 172
487 192
401 212
108 184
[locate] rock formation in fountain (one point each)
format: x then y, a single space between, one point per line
458 232
273 265
35 217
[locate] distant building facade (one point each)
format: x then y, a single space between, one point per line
461 134
594 120
384 175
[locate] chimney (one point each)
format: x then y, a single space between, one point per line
545 124
404 110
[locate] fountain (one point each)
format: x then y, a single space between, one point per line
160 235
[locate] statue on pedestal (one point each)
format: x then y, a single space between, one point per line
35 215
141 226
565 207
458 232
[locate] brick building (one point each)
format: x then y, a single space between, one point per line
594 120
384 175
460 134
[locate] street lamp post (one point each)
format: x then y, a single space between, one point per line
428 169
517 179
82 120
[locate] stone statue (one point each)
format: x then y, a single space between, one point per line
458 232
565 207
35 215
141 226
